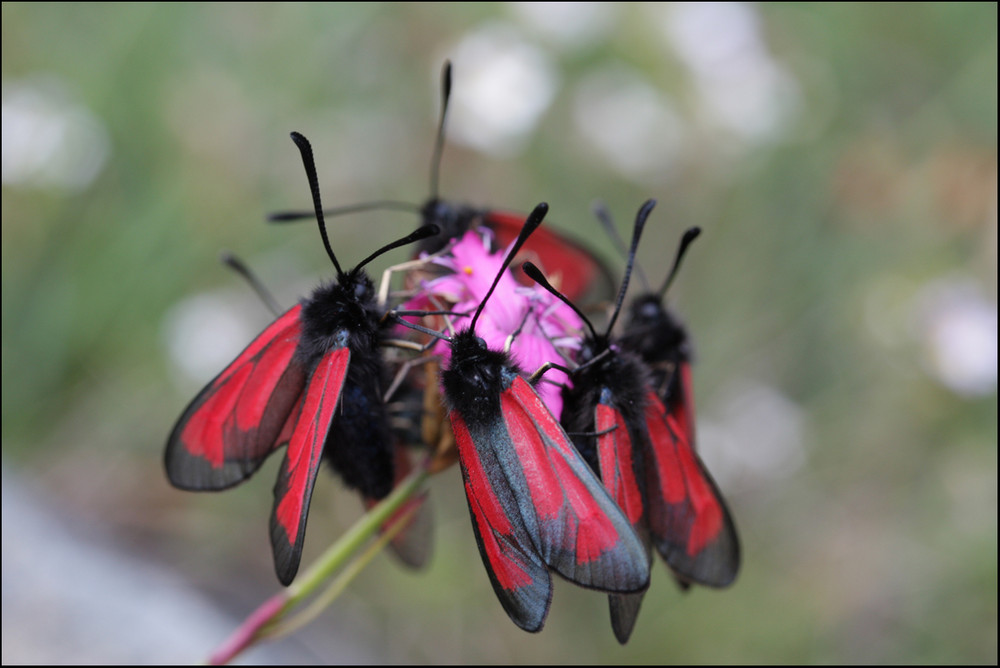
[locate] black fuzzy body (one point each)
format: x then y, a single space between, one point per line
475 378
359 444
454 220
659 338
618 379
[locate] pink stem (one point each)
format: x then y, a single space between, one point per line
246 634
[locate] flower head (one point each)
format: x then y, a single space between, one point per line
540 324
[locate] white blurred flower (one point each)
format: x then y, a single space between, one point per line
568 24
630 122
504 85
49 141
206 332
957 326
741 87
756 434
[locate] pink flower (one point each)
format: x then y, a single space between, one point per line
546 324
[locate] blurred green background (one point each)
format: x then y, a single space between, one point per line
842 161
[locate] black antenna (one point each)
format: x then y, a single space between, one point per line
294 216
307 160
536 275
690 235
535 219
600 210
640 222
310 164
419 328
439 141
418 234
243 270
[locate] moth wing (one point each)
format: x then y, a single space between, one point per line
618 456
234 423
577 528
680 401
517 572
688 519
297 475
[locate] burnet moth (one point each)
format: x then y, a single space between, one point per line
536 506
575 268
313 380
656 334
411 544
624 431
659 337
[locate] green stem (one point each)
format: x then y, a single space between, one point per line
282 628
338 553
262 622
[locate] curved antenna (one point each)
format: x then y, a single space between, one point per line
295 216
417 235
310 164
690 235
240 267
640 222
604 217
535 274
439 141
535 219
419 328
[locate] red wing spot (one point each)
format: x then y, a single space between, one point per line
557 492
707 510
505 569
306 445
682 406
615 454
490 517
234 407
682 480
267 372
205 435
476 476
547 495
668 468
595 533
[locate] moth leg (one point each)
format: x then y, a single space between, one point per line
386 281
404 369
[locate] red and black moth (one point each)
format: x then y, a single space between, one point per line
411 544
536 506
658 336
314 380
579 273
644 458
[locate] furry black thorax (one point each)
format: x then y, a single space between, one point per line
339 314
453 220
476 377
655 333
